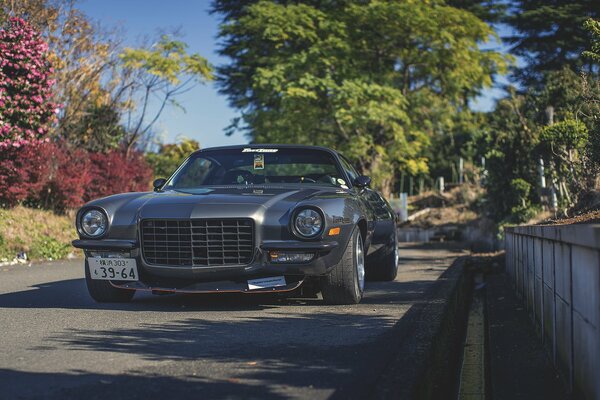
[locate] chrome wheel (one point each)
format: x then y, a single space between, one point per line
360 263
396 254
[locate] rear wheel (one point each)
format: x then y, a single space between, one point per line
103 292
345 283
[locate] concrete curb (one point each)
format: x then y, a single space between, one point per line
426 365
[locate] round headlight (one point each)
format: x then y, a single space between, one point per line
94 223
308 223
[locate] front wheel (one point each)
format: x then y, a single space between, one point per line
103 292
345 283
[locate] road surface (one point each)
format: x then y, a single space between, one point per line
56 343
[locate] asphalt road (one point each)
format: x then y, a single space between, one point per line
56 343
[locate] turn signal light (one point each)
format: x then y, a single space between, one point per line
334 231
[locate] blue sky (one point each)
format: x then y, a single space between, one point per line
207 111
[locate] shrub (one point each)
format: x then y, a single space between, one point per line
48 248
58 177
520 190
26 109
23 173
116 172
68 178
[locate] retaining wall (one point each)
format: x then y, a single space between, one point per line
556 271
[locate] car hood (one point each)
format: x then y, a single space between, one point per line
211 202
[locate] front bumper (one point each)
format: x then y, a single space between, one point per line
153 277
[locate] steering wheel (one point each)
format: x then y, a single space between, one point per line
247 176
324 178
302 179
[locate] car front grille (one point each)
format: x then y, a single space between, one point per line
198 242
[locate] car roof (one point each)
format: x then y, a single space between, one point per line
268 146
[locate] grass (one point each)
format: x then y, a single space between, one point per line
42 234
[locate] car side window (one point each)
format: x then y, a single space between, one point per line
378 204
350 171
194 173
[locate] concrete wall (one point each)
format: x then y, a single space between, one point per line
556 271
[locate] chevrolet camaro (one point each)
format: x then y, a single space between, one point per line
249 219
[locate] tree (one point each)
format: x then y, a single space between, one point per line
26 107
82 54
511 140
593 52
98 129
550 36
163 72
170 156
373 79
590 110
519 134
563 145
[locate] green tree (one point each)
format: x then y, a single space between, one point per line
590 110
99 129
170 156
511 140
593 52
563 144
519 134
376 80
550 36
159 73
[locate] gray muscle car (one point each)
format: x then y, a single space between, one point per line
250 219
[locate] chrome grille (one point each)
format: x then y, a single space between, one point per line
198 242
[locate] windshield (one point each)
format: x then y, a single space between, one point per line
253 166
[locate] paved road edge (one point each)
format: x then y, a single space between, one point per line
426 365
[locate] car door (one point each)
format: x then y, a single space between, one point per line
381 221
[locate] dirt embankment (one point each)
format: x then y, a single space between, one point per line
34 234
587 211
455 207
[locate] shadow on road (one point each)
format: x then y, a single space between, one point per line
89 386
72 294
227 352
259 353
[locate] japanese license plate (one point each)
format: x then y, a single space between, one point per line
116 269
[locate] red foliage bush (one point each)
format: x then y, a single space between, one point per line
57 177
23 173
67 179
115 172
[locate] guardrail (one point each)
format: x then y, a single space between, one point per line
556 271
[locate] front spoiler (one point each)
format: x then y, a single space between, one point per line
207 287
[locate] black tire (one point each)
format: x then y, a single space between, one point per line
341 285
104 292
386 268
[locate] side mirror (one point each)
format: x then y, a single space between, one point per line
158 183
362 181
